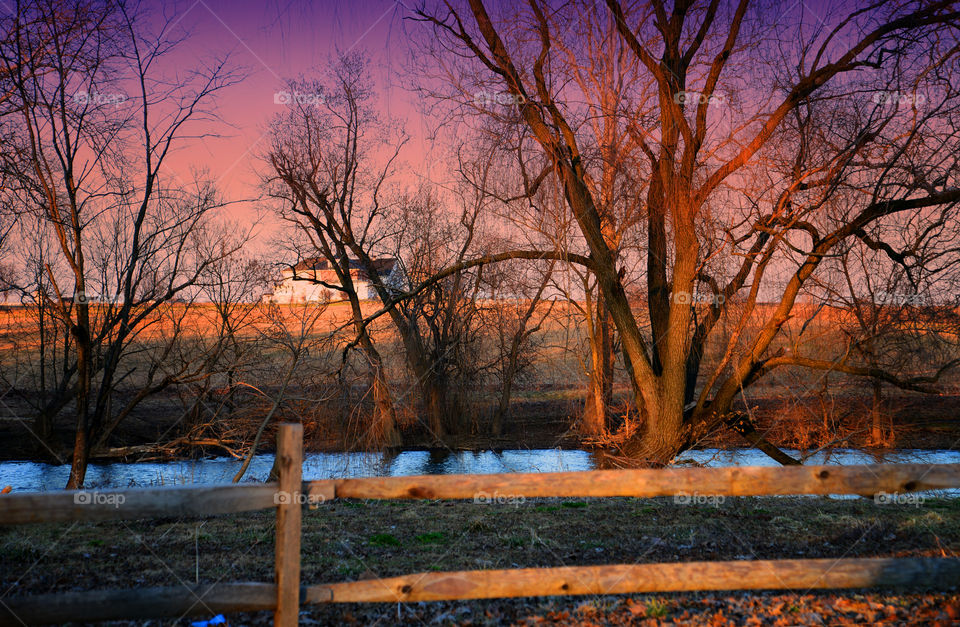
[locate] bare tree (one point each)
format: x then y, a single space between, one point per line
516 313
897 311
323 171
294 332
602 66
90 160
439 320
719 214
226 326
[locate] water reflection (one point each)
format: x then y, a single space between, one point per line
436 462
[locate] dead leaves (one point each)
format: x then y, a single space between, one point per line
777 610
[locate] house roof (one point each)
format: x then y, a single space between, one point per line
383 266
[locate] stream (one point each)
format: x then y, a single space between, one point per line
29 476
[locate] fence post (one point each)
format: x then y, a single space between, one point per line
289 467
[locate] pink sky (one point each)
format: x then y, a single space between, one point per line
279 39
276 40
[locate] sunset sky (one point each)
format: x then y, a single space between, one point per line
276 40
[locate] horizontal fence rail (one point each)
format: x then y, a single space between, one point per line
635 578
866 480
286 595
808 574
102 505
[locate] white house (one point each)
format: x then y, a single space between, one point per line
304 282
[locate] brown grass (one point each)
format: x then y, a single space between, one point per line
350 540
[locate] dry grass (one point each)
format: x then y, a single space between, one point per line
349 540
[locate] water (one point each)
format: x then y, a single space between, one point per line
34 476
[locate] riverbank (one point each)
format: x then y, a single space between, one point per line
159 420
917 421
351 540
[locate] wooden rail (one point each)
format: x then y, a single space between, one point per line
289 493
804 574
99 505
489 584
745 481
225 499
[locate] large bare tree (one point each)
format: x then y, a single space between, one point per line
739 185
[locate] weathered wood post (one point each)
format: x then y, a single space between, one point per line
289 469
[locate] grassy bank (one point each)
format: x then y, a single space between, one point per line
350 540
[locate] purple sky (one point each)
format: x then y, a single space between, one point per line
279 39
274 40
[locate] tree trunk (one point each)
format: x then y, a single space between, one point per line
600 387
878 430
595 409
496 426
43 428
663 435
81 454
433 391
43 423
503 409
382 431
437 408
81 445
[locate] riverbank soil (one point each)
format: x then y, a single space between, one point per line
918 421
352 540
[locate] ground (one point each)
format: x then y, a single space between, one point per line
350 540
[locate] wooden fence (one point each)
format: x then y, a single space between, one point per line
286 595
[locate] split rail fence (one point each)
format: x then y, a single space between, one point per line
286 595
